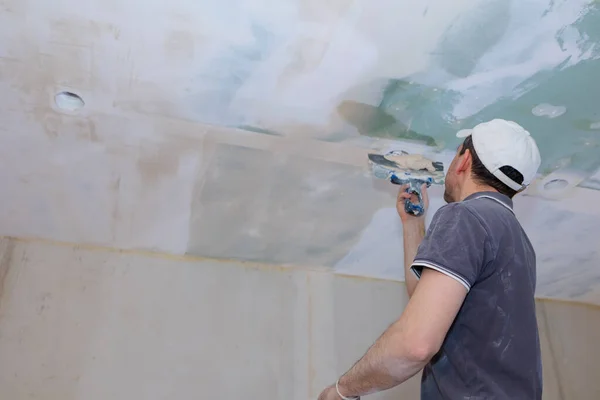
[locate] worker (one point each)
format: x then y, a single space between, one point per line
470 323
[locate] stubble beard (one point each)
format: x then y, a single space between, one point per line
447 196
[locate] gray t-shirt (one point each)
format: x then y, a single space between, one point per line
492 349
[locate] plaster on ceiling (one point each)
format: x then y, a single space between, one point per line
240 129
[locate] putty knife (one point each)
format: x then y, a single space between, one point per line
400 168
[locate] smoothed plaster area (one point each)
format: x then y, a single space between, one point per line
154 326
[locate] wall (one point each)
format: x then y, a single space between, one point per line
81 322
570 350
239 130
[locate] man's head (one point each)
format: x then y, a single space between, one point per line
496 155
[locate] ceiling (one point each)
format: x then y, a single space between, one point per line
241 129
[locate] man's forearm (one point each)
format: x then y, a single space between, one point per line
388 363
413 232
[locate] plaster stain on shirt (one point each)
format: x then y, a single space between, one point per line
506 348
505 275
505 325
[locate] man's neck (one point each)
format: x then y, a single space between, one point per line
468 190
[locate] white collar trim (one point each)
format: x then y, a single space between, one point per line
485 196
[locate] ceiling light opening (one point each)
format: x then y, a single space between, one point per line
556 184
69 101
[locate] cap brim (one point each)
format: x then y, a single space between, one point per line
463 133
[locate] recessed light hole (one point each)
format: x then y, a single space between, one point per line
68 101
556 184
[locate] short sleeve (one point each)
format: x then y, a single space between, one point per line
453 245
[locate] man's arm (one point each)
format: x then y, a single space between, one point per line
413 234
408 344
413 228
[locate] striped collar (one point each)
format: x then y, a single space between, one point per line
495 196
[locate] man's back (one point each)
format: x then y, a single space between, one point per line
492 350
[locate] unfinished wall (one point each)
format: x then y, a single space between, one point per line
239 130
83 323
79 322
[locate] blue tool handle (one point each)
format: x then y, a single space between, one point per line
414 188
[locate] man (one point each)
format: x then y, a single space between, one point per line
470 323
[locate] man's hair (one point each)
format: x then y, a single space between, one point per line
482 176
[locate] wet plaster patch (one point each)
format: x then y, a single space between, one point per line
279 208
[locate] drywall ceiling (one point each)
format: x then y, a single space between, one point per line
240 129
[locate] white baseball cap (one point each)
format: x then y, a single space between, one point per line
499 143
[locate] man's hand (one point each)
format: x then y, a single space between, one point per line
403 196
329 394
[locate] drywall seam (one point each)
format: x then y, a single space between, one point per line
322 355
570 302
186 257
310 370
209 149
302 341
7 249
247 264
344 153
541 311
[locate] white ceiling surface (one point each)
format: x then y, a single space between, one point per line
139 167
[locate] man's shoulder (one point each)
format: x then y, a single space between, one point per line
489 203
457 217
457 210
479 208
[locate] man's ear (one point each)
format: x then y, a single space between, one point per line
464 162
